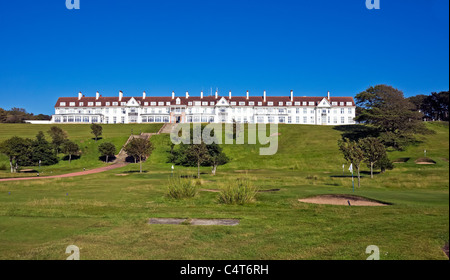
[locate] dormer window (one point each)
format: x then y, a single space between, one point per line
62 104
178 101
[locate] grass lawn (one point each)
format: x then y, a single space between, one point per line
106 215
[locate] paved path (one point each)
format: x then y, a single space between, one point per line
81 173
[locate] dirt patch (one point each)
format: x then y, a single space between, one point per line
166 221
348 200
122 174
214 222
260 191
401 160
445 159
425 161
194 222
445 249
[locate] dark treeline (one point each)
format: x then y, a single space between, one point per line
19 115
434 107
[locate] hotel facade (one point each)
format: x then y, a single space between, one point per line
325 110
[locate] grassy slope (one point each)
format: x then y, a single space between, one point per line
105 215
80 134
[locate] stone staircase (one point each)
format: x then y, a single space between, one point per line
122 155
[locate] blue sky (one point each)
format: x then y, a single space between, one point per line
311 47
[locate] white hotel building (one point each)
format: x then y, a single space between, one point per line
206 109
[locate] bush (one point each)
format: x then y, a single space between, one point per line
179 188
3 167
240 192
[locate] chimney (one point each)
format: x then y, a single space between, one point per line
328 96
230 94
217 94
120 95
201 94
97 95
187 94
264 96
173 94
247 95
144 95
80 95
292 96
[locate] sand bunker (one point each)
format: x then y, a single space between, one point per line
425 161
348 200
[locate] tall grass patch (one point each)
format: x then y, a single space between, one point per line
240 191
179 187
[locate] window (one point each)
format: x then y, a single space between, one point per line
260 119
62 104
70 119
167 103
94 119
72 104
342 119
153 103
211 103
78 119
160 103
311 103
81 104
342 111
304 103
98 103
123 103
341 103
107 103
297 110
251 103
122 119
114 119
166 119
350 110
204 103
334 103
86 119
305 119
297 119
288 103
90 103
115 103
190 103
144 119
57 119
241 103
289 119
259 103
280 103
281 119
270 103
151 119
233 103
334 119
349 103
350 119
297 103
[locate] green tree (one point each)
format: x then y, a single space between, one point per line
384 164
70 148
373 150
42 151
199 152
96 130
385 108
18 151
139 148
353 154
107 150
216 157
58 136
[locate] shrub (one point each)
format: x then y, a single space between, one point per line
179 187
3 167
241 191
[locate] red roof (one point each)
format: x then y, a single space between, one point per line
258 100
